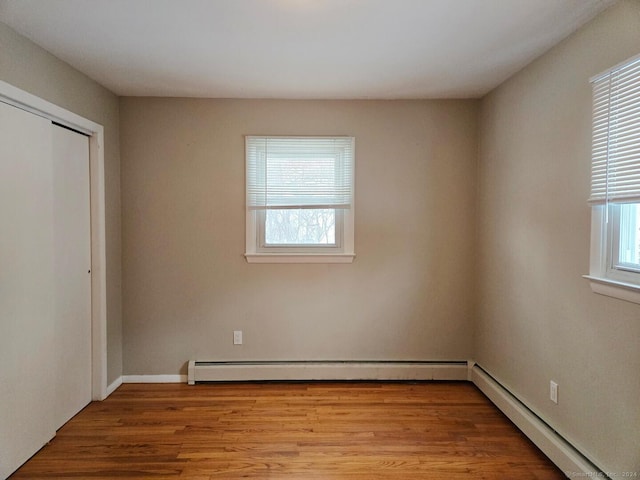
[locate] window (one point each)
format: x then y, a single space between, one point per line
299 199
615 182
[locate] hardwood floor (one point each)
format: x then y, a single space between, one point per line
354 431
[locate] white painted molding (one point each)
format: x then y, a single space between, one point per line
31 103
154 379
612 288
299 258
559 451
38 106
470 365
316 370
114 386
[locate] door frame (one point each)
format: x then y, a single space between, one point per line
38 106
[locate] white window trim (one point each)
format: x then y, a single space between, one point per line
603 277
330 249
299 258
344 252
600 275
255 255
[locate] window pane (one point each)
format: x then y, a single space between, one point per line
313 226
629 247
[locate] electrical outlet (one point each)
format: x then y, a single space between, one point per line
553 391
237 337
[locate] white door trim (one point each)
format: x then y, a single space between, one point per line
19 98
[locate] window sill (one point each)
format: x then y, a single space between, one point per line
299 258
612 288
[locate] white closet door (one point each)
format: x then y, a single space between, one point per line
26 287
72 264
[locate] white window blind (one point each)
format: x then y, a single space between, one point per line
299 172
615 172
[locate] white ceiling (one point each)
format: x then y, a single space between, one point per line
299 48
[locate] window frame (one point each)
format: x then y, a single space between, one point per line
624 271
603 278
258 251
330 248
606 277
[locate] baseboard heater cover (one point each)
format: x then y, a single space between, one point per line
560 452
326 370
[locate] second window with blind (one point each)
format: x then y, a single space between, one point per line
300 205
615 182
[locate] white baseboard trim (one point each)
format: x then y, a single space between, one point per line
114 385
559 451
154 379
329 370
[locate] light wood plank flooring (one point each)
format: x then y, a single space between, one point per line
354 431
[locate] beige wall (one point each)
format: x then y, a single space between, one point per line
187 286
411 292
30 68
538 319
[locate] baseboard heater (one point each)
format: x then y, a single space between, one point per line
571 461
326 370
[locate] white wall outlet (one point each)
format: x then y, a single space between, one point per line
553 391
237 337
